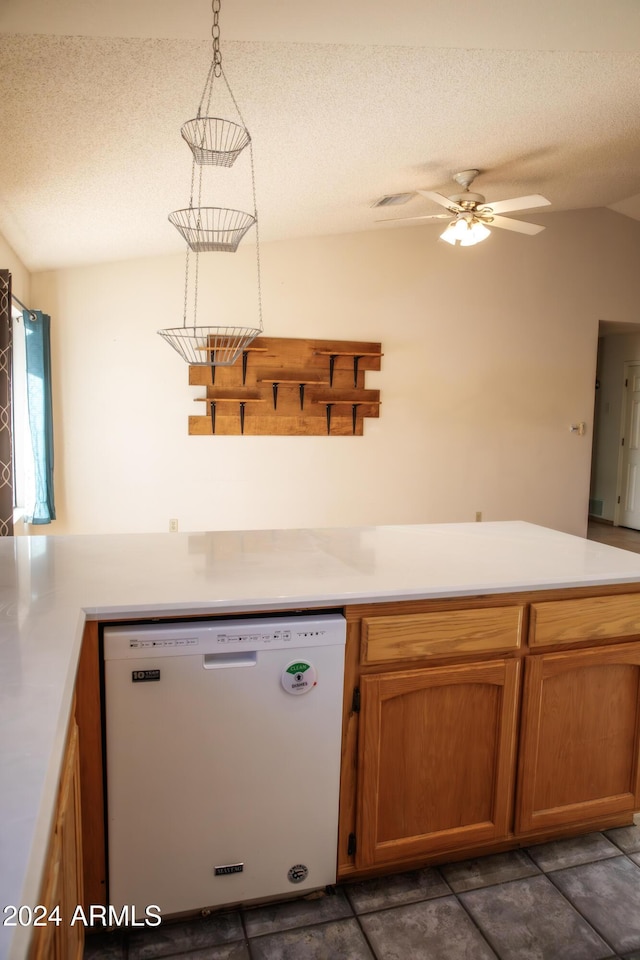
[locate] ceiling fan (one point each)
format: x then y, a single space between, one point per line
469 214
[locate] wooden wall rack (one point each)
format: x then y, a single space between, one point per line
289 387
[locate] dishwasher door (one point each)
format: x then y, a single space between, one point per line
223 760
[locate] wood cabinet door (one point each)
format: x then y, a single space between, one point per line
436 759
62 887
580 736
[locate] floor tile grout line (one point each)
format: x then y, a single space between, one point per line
627 853
493 949
581 863
302 926
247 938
370 947
589 863
306 926
497 883
580 912
402 903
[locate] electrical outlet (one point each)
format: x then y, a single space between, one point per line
173 526
478 516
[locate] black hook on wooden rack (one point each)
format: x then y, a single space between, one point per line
354 416
329 407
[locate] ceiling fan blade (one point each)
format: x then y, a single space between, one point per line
443 201
431 216
519 226
518 203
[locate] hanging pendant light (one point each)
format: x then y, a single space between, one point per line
466 230
214 141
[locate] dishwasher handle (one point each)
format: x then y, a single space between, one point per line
216 661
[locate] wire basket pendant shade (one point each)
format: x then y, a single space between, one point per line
213 141
210 346
212 228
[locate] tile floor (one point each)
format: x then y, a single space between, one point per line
576 899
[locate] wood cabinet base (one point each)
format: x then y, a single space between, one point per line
62 886
484 724
348 873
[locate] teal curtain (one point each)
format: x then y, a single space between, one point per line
37 331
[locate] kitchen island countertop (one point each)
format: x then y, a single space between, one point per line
49 587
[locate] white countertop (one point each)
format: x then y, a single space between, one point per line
50 585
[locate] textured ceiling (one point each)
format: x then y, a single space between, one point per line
346 101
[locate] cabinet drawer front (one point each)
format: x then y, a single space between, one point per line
558 622
443 634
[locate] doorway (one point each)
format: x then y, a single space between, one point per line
614 496
627 512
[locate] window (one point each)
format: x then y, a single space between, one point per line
23 465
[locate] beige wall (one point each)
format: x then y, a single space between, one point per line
20 278
489 356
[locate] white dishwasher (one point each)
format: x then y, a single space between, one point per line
223 759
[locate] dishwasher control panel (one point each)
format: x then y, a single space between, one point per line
210 636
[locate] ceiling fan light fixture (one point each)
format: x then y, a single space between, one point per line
470 213
465 231
448 236
461 228
456 231
475 234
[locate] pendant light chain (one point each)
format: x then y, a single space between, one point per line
193 180
215 33
215 70
213 141
235 103
255 208
208 86
186 290
195 291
